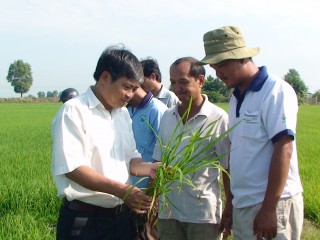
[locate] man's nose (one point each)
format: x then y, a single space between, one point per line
129 94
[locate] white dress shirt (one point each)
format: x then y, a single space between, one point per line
203 204
86 134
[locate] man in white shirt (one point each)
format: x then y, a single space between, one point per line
193 213
265 183
94 153
152 83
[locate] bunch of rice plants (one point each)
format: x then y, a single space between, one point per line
180 165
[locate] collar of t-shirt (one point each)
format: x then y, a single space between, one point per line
205 109
147 98
255 86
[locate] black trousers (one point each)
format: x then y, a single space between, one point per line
78 225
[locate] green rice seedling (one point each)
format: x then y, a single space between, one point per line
180 165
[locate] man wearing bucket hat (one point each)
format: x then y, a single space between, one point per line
265 184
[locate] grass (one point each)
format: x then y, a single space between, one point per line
28 203
308 135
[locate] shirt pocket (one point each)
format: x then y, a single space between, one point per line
252 125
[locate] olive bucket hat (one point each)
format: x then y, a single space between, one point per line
225 43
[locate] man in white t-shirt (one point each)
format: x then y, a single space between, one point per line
152 83
193 213
265 183
94 153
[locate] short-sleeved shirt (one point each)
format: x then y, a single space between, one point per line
201 205
86 134
266 111
167 97
150 110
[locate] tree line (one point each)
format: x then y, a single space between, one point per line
20 77
49 94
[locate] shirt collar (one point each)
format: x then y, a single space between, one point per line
93 101
257 82
205 109
145 100
162 93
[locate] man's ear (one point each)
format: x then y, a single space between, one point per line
201 80
105 77
153 77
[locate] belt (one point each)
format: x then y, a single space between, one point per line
77 205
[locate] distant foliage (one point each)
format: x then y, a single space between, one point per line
316 97
216 90
20 76
41 94
55 93
50 94
294 79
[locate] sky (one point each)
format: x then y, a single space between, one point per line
63 40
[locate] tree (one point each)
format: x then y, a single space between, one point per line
55 93
50 94
20 76
316 97
41 94
216 90
294 79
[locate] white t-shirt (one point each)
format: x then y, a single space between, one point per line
264 115
188 207
86 134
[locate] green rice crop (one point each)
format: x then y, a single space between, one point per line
308 144
28 202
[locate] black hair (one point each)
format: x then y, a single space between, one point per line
119 62
195 70
150 66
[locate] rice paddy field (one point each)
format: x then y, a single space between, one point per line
28 203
